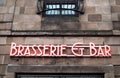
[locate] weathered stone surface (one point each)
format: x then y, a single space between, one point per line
1 17
5 32
94 17
10 75
2 2
101 2
83 18
30 3
117 70
3 9
112 40
89 26
105 26
103 9
8 17
60 69
1 59
10 3
112 2
54 61
72 40
114 17
33 61
3 69
115 9
106 18
30 10
17 40
116 32
117 2
22 9
116 25
96 40
44 40
20 3
11 9
4 49
3 40
5 26
115 50
89 9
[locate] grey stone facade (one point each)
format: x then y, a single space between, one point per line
100 24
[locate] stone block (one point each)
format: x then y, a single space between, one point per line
105 25
116 25
96 40
101 2
89 9
74 61
17 10
117 2
3 9
5 32
5 26
22 9
44 40
115 60
2 2
8 17
115 50
53 61
10 75
117 70
116 32
119 17
33 61
89 26
115 17
20 3
4 49
30 10
94 17
27 18
72 40
103 10
3 40
1 59
112 2
90 2
115 9
112 40
14 61
11 9
83 18
17 40
3 69
70 26
30 3
26 26
10 3
96 61
1 17
106 18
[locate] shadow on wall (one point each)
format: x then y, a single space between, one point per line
60 23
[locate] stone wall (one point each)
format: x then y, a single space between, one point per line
100 24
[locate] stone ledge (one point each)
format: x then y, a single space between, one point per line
60 69
63 33
59 33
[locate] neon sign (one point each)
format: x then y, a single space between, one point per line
76 50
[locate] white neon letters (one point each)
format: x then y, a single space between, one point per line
77 49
